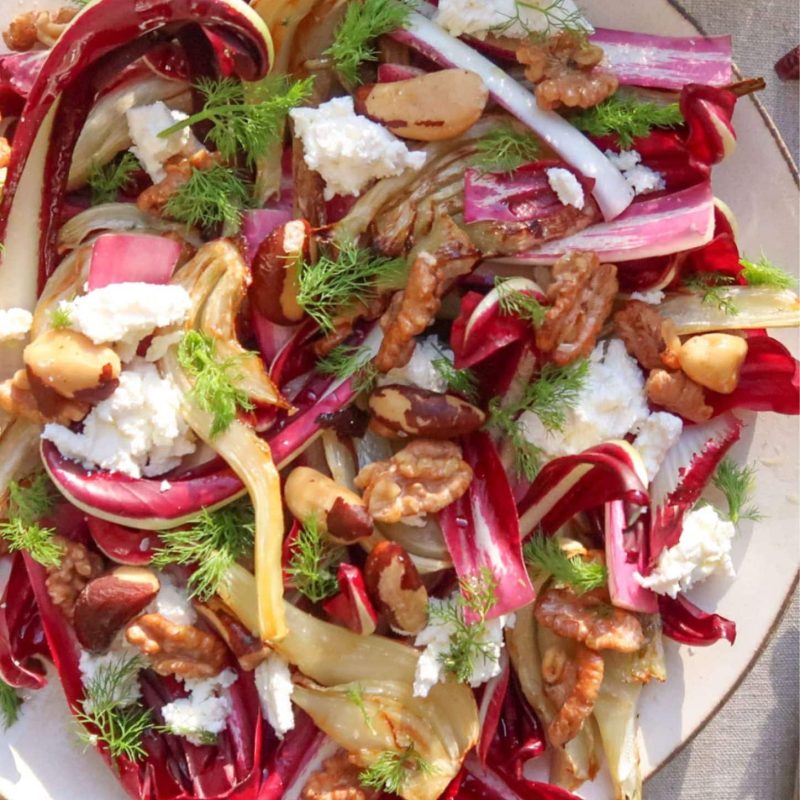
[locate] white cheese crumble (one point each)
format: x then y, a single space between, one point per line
348 150
656 435
654 297
435 638
567 187
420 370
145 123
703 549
275 687
124 313
204 713
138 430
15 323
164 486
509 18
611 404
126 691
173 603
640 178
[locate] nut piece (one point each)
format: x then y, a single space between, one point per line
5 152
110 602
410 411
275 272
678 393
32 27
339 779
66 581
249 650
339 512
422 478
396 588
178 172
648 337
181 650
714 360
582 294
18 400
430 107
68 364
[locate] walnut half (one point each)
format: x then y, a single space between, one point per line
78 567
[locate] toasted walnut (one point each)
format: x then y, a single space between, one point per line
5 152
648 337
589 618
678 393
337 780
564 68
78 567
422 478
38 27
581 296
178 171
18 400
181 650
572 685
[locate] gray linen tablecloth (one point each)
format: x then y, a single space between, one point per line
749 751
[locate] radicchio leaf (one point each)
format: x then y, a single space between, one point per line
686 623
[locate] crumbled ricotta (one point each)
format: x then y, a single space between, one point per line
510 18
420 370
173 603
654 297
124 313
145 123
656 435
138 430
640 178
164 486
204 712
15 323
611 404
275 687
703 549
435 638
348 150
567 187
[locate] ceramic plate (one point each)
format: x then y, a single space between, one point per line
43 758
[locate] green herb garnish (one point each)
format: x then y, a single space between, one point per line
211 197
10 702
390 771
337 281
764 273
61 316
31 501
106 182
245 119
345 361
544 553
107 714
460 381
514 302
627 117
356 696
27 504
312 566
504 149
215 387
738 485
364 21
713 289
213 543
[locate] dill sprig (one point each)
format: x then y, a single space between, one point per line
467 613
514 302
107 716
215 387
356 696
627 117
460 381
312 566
106 182
245 118
545 553
346 361
210 197
213 543
504 149
713 289
27 504
764 273
556 17
738 485
10 702
61 316
528 457
337 280
364 21
391 770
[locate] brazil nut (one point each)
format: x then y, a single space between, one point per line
410 411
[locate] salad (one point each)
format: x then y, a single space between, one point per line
366 364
